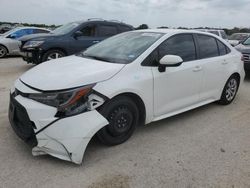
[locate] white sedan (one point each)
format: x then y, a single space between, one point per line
128 80
9 44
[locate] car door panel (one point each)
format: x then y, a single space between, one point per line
214 76
214 62
177 87
89 33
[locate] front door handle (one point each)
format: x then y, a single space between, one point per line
197 69
96 41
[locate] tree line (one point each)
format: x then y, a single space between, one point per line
30 25
142 26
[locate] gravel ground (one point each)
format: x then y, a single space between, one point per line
206 147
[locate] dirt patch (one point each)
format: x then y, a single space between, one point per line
116 181
3 89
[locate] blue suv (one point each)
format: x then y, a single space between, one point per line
68 39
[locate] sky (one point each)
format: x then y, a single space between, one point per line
155 13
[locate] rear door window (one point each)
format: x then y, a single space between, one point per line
107 30
181 45
89 31
208 46
222 48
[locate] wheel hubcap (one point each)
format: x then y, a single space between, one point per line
231 89
2 52
54 56
120 121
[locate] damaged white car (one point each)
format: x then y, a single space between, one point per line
128 80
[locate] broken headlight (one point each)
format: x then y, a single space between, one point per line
70 102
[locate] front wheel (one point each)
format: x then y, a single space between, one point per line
53 54
122 115
230 90
3 51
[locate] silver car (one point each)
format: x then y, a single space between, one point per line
219 32
238 38
9 45
244 48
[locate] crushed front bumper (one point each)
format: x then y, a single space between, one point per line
31 56
65 138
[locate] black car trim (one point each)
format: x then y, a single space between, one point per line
21 131
47 126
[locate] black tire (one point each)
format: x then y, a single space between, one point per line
123 115
51 54
3 51
230 90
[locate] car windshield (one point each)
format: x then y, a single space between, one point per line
238 36
247 42
65 28
123 48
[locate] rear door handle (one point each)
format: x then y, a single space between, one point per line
197 69
96 41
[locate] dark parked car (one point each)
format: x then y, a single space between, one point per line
244 48
68 39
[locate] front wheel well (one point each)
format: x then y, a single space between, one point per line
139 103
5 47
56 48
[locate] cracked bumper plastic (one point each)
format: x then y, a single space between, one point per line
65 138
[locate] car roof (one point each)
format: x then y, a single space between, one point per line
172 31
17 28
102 21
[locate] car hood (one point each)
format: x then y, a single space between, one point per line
42 36
69 72
243 48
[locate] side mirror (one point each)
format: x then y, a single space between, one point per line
78 34
169 61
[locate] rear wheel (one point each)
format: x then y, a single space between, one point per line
230 90
3 51
53 54
122 115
